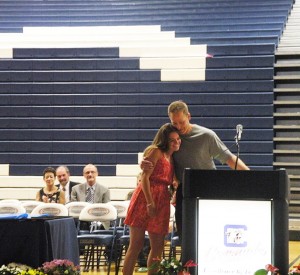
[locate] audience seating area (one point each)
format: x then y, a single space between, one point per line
97 246
25 188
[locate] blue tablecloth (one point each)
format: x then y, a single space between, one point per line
14 216
34 241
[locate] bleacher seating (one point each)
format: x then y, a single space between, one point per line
89 82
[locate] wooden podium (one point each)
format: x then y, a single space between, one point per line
235 222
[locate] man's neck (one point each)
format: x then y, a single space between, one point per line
64 185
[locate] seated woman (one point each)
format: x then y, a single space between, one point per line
50 193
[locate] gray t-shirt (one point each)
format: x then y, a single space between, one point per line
198 150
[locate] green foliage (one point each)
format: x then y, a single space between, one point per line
55 267
261 272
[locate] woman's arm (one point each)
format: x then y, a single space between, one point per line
62 199
37 196
153 156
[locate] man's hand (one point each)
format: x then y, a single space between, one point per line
146 164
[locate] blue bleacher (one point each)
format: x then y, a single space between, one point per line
240 61
215 50
132 98
128 76
66 52
126 63
35 169
87 105
230 26
243 50
111 135
239 74
136 87
229 33
132 111
237 40
132 123
70 64
80 76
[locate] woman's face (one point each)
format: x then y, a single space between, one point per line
174 142
49 178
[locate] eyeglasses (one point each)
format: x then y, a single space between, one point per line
90 172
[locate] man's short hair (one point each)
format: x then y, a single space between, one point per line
178 106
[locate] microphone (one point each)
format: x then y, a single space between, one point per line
239 131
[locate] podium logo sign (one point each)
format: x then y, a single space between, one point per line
235 235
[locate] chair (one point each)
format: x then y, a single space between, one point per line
10 200
122 207
172 213
52 209
175 247
122 230
175 243
172 228
98 244
75 207
11 208
30 205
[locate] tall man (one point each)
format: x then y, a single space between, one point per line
199 147
63 176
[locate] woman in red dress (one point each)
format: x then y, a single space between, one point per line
149 208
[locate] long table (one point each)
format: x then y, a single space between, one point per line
35 241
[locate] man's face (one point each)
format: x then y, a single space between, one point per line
181 122
62 176
90 173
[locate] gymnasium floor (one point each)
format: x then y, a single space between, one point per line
294 259
294 253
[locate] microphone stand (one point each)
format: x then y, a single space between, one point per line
237 149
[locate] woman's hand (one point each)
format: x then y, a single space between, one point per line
151 209
45 199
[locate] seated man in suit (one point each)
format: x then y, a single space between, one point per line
63 175
90 191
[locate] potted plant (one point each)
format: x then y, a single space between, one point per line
60 267
172 266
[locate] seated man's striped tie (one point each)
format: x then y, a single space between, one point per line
89 195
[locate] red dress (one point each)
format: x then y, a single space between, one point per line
137 215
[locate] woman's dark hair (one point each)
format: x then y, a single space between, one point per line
161 139
49 170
